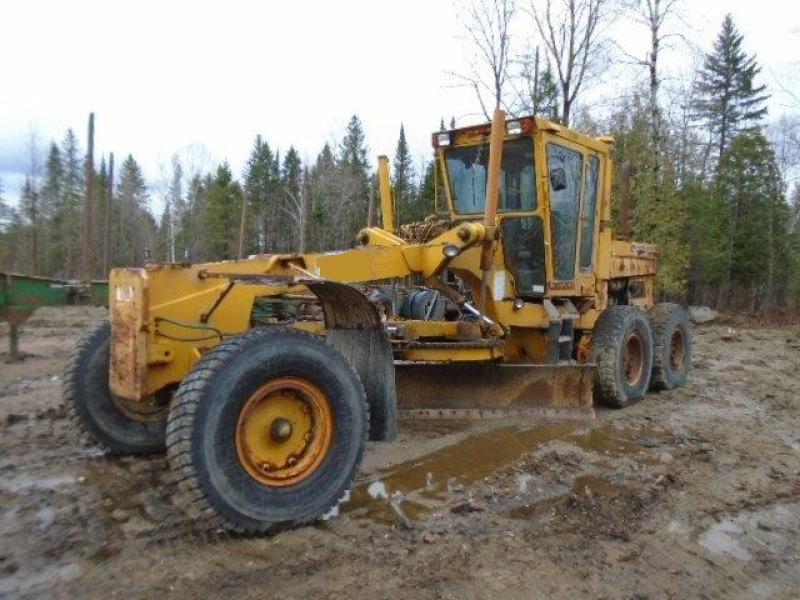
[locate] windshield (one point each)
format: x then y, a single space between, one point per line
467 169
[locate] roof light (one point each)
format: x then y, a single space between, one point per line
514 127
442 139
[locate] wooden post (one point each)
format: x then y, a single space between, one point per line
371 207
13 341
88 207
241 225
387 203
109 211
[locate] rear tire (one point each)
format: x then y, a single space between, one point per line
94 410
672 346
622 349
267 431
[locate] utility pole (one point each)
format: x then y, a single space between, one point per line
109 211
88 207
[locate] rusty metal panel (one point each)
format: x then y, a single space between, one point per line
128 309
489 390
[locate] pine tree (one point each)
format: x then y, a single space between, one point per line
52 189
323 186
134 227
29 204
70 218
353 149
351 214
404 184
547 100
728 100
221 216
291 172
262 186
51 208
293 203
755 224
189 243
426 195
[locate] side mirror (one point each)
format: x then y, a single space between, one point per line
558 179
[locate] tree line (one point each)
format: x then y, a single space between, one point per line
289 206
698 168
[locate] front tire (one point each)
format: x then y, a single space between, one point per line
622 349
121 428
267 431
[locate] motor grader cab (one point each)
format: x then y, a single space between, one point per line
263 378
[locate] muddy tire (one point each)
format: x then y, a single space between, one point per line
266 432
92 407
622 349
672 346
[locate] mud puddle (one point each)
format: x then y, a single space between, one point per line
410 490
635 444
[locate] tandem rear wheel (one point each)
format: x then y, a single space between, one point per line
267 431
635 351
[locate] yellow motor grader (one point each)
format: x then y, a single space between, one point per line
263 378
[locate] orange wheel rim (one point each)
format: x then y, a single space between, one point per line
633 359
284 431
677 350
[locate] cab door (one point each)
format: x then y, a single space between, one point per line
565 186
573 177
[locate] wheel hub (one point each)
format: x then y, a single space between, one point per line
280 430
633 359
284 431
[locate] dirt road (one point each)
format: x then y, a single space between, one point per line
689 494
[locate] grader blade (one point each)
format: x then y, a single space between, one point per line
466 391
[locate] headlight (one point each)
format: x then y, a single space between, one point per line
451 251
514 127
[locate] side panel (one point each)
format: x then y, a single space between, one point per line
127 302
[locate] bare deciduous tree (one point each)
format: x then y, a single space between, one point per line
488 23
784 135
571 32
296 208
653 14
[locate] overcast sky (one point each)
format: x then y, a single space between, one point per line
164 76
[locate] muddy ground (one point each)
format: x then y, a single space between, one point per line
690 494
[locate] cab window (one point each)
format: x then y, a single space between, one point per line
589 212
467 169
